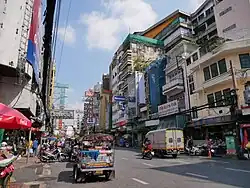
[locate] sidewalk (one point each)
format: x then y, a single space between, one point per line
22 162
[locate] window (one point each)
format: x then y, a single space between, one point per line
227 96
222 66
229 28
218 98
214 70
206 72
210 100
188 61
170 140
191 84
222 13
179 140
195 57
244 61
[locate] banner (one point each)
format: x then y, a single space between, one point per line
34 42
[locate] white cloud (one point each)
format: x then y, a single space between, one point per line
68 35
194 4
119 16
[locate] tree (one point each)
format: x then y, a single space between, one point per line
140 64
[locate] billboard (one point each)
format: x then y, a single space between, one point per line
34 41
63 114
89 93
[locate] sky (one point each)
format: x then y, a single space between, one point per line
90 35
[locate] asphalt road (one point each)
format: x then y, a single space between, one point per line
134 172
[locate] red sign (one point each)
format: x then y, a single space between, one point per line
60 124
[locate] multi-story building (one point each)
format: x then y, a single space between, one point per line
203 22
96 103
104 102
20 63
134 48
231 18
210 81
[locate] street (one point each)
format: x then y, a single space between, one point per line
132 171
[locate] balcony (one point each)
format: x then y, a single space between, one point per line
173 87
222 50
125 73
126 59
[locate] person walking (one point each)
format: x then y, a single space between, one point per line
35 146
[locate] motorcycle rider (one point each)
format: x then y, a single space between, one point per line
147 145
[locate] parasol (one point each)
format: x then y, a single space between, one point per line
12 119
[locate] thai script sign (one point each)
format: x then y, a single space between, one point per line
168 108
63 114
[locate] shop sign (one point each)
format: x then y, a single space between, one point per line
168 108
152 123
63 114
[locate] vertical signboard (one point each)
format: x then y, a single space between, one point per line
34 46
60 124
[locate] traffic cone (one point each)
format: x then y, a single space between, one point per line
209 154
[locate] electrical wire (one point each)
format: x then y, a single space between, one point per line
64 36
57 20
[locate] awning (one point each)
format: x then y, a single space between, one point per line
12 119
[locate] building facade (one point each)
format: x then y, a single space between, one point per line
20 73
211 82
104 102
231 19
135 48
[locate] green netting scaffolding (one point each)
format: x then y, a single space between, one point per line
142 39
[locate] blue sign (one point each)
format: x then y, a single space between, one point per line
119 98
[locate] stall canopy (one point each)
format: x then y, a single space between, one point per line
12 119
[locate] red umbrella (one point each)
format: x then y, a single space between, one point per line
12 119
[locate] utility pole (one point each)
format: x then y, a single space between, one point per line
235 106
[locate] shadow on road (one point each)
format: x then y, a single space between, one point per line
65 176
206 171
70 165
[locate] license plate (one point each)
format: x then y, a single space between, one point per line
99 172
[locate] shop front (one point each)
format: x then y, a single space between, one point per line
169 115
221 131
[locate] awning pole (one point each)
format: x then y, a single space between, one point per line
28 153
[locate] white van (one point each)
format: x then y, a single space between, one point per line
168 141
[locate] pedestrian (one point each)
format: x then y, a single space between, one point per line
35 146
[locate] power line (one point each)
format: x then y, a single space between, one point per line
56 27
64 36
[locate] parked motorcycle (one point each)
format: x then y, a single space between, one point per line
6 171
46 156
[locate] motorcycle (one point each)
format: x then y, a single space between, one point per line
6 171
74 154
195 150
147 154
46 156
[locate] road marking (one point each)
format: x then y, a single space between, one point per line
222 162
184 162
140 181
125 159
238 170
197 175
148 164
